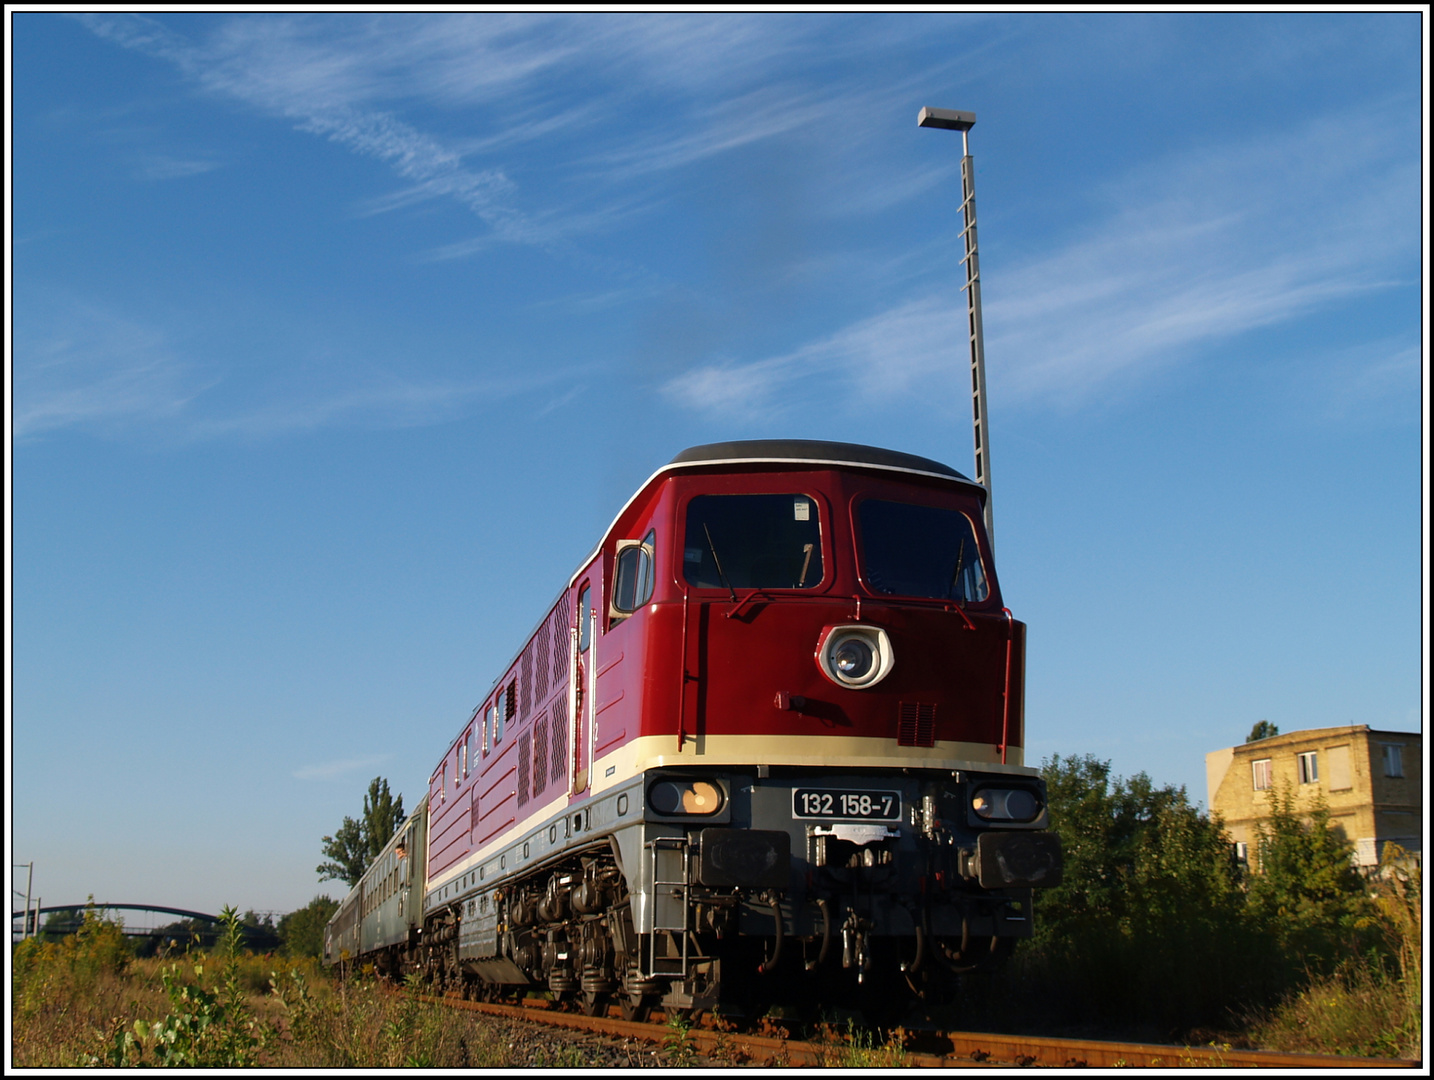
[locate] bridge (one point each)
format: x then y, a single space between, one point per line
259 938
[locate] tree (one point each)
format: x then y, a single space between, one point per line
1307 893
1147 921
355 844
1263 730
302 931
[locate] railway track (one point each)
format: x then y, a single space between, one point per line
927 1050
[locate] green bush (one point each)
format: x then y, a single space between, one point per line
1306 894
1148 922
302 931
71 966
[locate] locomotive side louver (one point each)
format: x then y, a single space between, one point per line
916 724
525 756
559 754
540 755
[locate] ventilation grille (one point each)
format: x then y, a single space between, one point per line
916 724
561 643
560 739
525 754
541 665
525 682
540 756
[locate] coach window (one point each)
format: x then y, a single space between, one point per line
490 724
633 579
753 542
928 551
468 752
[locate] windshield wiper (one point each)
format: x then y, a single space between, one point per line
956 577
806 564
713 548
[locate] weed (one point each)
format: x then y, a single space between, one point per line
204 1028
675 1044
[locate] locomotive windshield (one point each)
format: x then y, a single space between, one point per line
910 550
753 542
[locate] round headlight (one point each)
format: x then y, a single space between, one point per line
853 659
854 656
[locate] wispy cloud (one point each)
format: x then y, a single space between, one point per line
384 401
710 83
330 769
78 365
84 366
166 167
1192 251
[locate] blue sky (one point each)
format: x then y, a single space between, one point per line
338 340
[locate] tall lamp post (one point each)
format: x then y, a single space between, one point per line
954 120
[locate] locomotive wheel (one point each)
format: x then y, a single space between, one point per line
635 1007
593 1003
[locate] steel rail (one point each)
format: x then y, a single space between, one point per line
967 1049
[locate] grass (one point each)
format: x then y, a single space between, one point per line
84 1000
1361 1011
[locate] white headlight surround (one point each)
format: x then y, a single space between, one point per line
855 656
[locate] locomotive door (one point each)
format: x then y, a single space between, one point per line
581 670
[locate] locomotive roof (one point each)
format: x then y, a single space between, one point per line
813 452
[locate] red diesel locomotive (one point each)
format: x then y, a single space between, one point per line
766 743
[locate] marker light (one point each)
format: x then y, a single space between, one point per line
672 796
1006 804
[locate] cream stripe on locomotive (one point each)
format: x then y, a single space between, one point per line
833 752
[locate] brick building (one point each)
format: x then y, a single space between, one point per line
1372 782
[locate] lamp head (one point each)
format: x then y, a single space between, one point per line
950 119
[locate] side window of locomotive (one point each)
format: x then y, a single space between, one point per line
911 550
585 622
753 542
634 576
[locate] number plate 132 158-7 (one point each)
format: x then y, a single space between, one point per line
835 803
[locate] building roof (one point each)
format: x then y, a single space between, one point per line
1287 737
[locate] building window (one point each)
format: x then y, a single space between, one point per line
1242 852
1309 767
1393 760
1262 773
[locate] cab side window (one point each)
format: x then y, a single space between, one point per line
634 576
585 625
